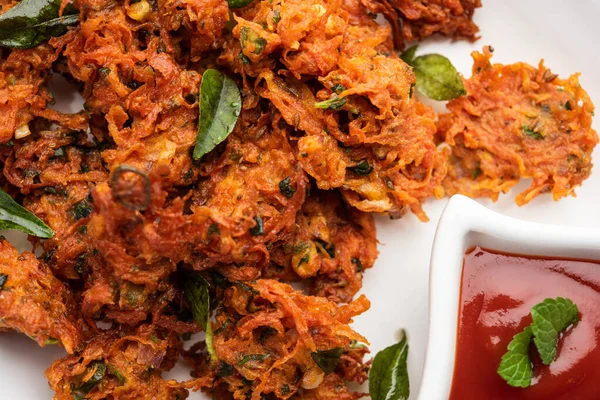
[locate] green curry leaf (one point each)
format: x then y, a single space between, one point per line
550 318
388 378
436 76
32 22
220 106
515 367
15 217
327 360
196 292
409 55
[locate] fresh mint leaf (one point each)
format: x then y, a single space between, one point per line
33 22
550 318
388 378
515 367
437 78
327 360
220 107
15 217
196 292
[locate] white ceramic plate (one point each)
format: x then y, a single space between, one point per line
565 33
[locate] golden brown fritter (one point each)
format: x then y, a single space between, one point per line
266 334
34 302
118 365
333 244
518 121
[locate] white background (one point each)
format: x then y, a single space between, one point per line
566 33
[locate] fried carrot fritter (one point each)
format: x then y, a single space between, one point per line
34 302
118 365
266 337
333 244
518 121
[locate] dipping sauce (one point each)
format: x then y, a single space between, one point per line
498 292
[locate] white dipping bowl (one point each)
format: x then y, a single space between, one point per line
464 225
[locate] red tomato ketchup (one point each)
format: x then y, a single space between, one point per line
498 292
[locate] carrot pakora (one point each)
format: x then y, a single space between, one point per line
153 243
36 303
518 121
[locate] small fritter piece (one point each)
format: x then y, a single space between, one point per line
518 121
333 244
267 337
198 25
417 20
24 75
146 100
34 302
117 365
332 388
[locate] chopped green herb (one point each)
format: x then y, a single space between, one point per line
253 357
571 157
224 369
337 88
213 229
363 168
285 389
60 152
477 172
568 106
258 229
286 189
3 279
81 209
247 288
112 370
238 3
99 372
327 360
15 217
248 35
333 103
531 133
276 16
388 377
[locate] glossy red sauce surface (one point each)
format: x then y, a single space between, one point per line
498 292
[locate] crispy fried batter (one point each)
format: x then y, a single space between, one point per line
265 334
333 243
34 302
518 121
118 365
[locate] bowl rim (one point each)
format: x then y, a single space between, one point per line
464 224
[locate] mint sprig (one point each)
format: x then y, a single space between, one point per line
550 318
515 367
